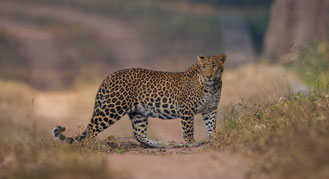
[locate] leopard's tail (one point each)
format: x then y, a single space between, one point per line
57 133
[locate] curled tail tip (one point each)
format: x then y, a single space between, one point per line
57 133
57 130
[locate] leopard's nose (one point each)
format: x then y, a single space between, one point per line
208 77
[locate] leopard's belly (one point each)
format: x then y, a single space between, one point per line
148 110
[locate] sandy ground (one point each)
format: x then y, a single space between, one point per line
176 162
217 165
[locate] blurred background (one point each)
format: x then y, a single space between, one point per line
55 53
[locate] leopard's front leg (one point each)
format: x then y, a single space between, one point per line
188 129
209 119
188 132
187 120
139 124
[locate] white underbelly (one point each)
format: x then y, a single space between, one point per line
156 112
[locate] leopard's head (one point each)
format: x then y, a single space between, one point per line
211 68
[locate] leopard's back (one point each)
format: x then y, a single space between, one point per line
153 93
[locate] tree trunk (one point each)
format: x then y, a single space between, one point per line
295 24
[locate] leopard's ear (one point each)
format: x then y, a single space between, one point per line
200 59
222 58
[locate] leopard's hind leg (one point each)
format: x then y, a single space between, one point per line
139 124
110 105
107 111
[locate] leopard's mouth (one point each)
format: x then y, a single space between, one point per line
210 82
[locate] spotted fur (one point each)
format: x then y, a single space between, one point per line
143 93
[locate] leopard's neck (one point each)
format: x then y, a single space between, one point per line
197 82
193 69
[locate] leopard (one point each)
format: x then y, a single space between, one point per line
142 93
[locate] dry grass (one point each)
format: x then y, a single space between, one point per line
43 158
16 101
255 83
284 132
28 151
287 137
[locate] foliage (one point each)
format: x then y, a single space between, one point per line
313 66
258 23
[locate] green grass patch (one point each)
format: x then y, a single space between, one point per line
312 66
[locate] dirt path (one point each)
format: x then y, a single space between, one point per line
176 162
205 165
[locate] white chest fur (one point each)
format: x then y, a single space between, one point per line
208 101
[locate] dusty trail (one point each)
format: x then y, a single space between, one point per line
209 165
193 163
